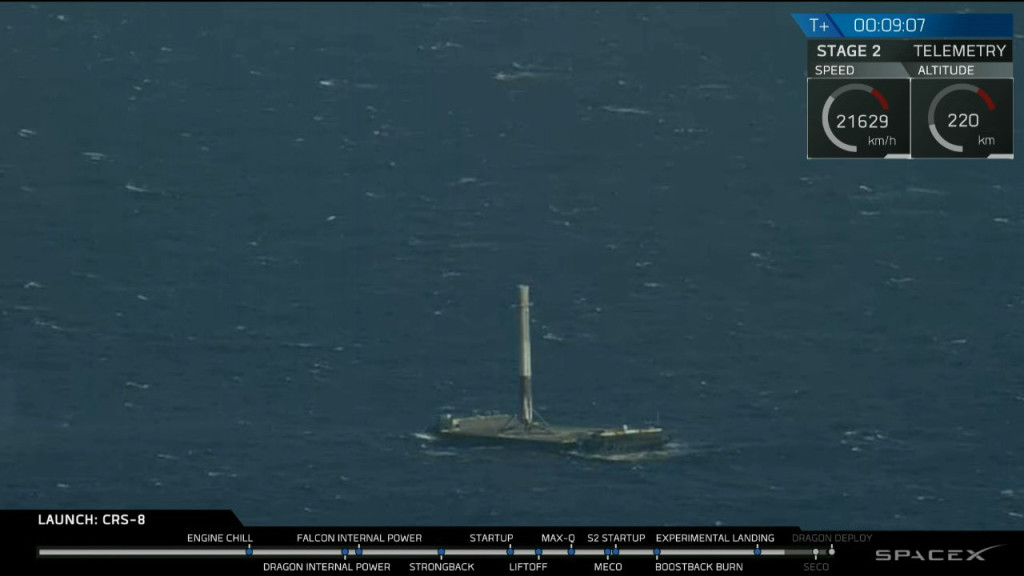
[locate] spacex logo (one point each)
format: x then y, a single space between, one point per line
933 555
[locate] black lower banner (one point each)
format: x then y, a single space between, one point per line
51 541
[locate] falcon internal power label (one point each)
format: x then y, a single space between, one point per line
909 85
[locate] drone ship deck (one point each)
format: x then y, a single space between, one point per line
504 428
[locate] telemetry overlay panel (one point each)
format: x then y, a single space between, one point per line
909 85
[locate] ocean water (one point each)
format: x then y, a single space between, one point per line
250 251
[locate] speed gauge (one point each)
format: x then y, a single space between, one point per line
853 118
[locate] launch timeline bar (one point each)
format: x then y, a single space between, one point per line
425 552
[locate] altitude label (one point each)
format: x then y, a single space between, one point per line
885 96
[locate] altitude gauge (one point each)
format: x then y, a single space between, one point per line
958 119
852 118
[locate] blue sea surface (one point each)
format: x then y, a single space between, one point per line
249 253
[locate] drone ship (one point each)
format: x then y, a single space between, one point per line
528 428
